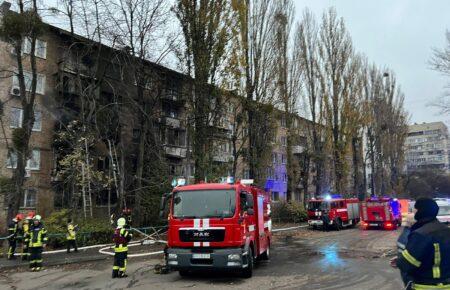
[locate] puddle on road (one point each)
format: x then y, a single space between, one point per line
325 256
330 256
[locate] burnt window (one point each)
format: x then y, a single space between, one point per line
136 135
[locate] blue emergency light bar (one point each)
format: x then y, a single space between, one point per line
332 196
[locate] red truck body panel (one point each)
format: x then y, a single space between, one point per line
239 230
381 212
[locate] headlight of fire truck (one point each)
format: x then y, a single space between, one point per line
172 259
234 257
234 260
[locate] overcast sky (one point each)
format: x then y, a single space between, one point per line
399 34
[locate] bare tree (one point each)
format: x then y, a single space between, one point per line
19 28
440 62
289 74
254 61
386 130
206 27
307 40
137 26
336 53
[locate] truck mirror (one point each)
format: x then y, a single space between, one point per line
162 205
250 211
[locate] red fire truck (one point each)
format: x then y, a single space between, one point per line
333 211
381 212
214 226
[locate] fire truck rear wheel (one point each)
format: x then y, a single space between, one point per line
248 271
338 224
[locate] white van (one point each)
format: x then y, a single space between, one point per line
444 210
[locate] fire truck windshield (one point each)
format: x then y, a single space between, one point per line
204 203
318 205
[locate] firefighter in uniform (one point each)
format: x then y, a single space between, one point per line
121 239
71 236
13 233
401 245
426 258
38 241
26 235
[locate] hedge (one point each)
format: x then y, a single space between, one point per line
289 212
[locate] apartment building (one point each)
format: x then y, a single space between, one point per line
427 147
58 102
277 175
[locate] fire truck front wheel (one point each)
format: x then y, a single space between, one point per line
247 272
266 255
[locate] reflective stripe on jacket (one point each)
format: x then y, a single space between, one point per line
426 257
13 230
121 238
38 236
26 232
71 234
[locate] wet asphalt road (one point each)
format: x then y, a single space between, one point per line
349 259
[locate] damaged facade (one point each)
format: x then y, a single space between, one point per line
83 82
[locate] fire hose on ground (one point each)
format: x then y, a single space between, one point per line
138 243
105 247
148 239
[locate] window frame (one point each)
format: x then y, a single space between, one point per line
29 76
36 112
26 47
20 117
13 165
26 193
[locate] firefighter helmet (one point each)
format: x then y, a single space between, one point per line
19 217
121 222
30 215
37 218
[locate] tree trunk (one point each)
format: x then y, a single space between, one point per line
140 158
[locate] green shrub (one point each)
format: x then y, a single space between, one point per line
297 212
289 212
90 231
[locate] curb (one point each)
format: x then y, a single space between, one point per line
56 263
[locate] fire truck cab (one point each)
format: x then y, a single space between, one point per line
383 212
333 211
214 226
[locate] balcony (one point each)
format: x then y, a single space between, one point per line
298 149
173 95
171 122
175 151
223 157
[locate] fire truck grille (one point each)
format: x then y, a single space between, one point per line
213 235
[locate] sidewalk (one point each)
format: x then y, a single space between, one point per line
81 256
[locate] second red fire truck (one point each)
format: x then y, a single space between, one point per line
333 211
381 212
218 227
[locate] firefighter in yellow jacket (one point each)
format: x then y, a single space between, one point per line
71 236
26 236
121 239
38 241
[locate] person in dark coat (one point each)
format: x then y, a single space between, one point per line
426 257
